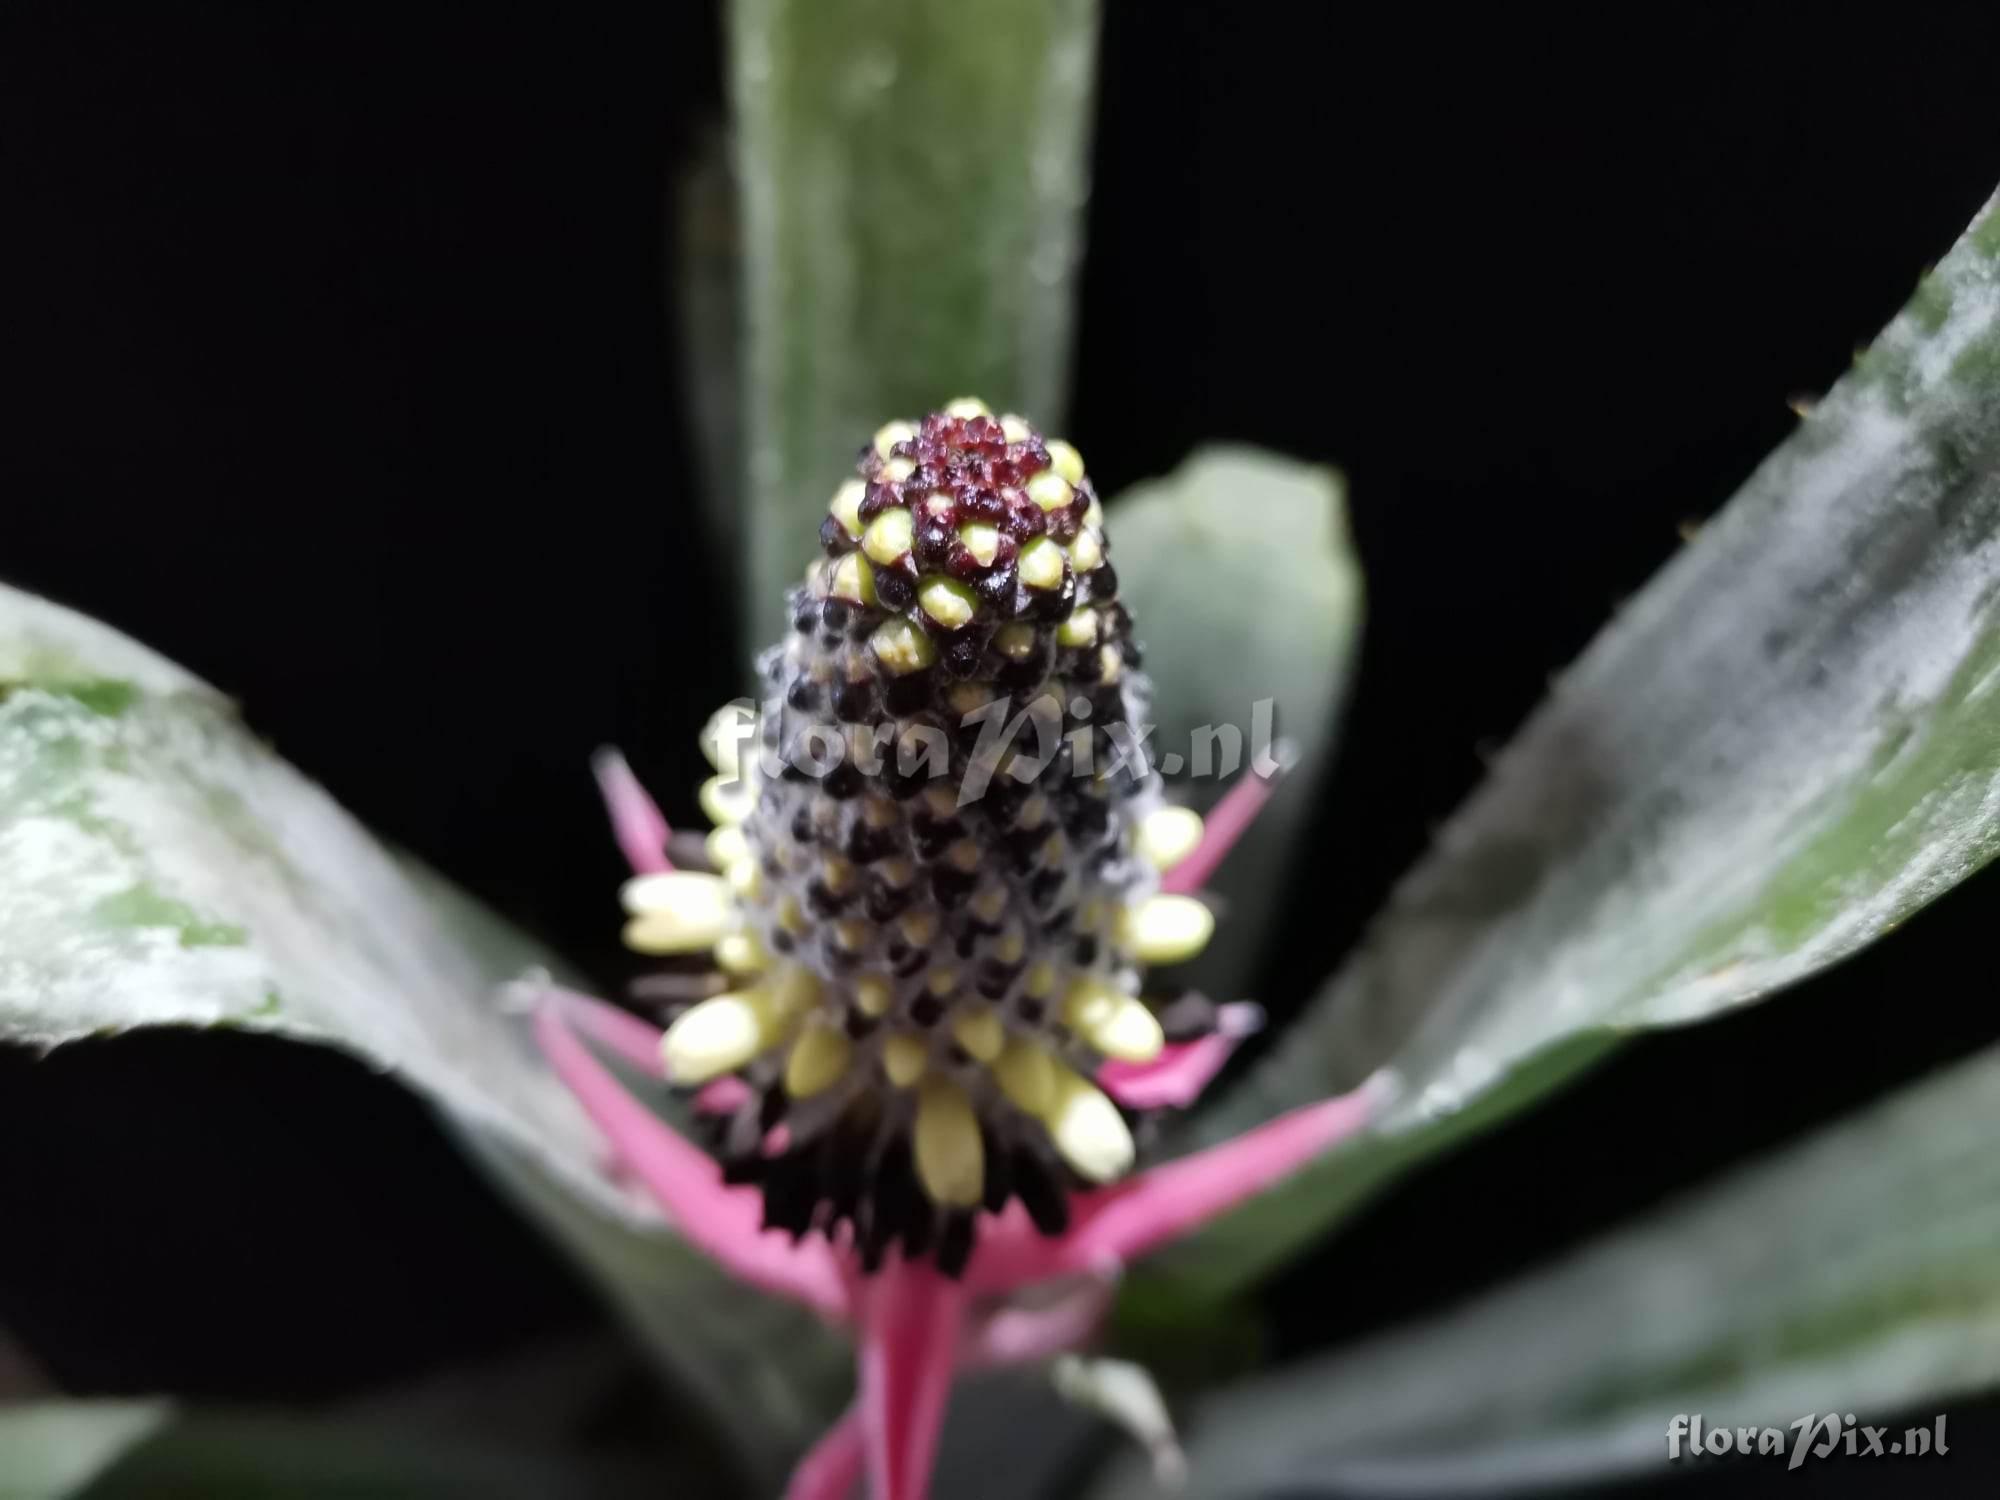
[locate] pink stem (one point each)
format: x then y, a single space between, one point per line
1118 1224
1227 822
834 1466
722 1222
909 1320
1176 1078
636 821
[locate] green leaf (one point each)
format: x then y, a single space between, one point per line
1853 1272
136 1450
53 1449
163 867
1245 590
912 174
1788 742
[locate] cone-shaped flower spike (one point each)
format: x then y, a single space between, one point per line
910 983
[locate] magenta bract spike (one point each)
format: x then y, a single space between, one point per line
723 1222
1120 1223
834 1466
1227 822
636 820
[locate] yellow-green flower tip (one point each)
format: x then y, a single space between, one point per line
1065 461
1080 629
726 798
717 1036
1088 1130
902 648
1113 1023
1050 490
980 1033
817 1061
981 541
905 1059
948 602
846 506
887 539
950 1156
851 580
676 912
1169 835
1168 929
1042 564
890 434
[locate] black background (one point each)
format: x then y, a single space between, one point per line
341 365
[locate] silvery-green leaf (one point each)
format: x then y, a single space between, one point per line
160 866
1851 1272
1246 593
1787 742
913 177
50 1450
141 1450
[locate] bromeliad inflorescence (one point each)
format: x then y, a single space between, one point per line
907 975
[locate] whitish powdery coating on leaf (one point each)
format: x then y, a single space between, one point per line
161 867
1788 742
158 866
1852 1271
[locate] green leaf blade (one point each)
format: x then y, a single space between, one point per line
163 867
1788 742
50 1450
1245 590
1852 1271
140 1450
912 176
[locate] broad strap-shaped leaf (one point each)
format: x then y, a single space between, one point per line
53 1449
1852 1272
1246 594
141 1450
913 177
161 866
1788 742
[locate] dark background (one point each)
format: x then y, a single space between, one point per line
341 364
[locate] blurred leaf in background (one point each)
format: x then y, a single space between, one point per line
1852 1271
1241 576
140 1450
912 180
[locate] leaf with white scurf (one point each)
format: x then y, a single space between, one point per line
1788 742
1853 1271
1243 588
140 1450
53 1449
160 866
